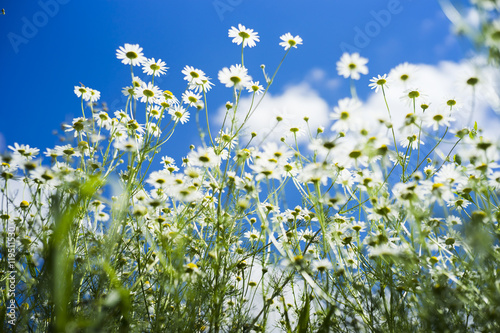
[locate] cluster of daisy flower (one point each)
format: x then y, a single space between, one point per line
390 213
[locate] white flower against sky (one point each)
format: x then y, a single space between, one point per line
197 80
226 139
452 104
148 92
129 91
378 82
130 54
80 90
411 95
436 118
153 129
179 113
103 119
153 67
255 87
252 235
155 111
193 75
93 95
243 35
127 144
352 65
235 76
403 73
345 115
24 150
167 99
289 41
88 94
190 98
67 151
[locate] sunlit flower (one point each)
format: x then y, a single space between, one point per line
378 82
411 95
436 119
190 98
322 265
152 67
344 115
289 41
24 150
130 54
179 113
243 35
352 65
404 73
255 87
148 92
80 91
235 76
128 145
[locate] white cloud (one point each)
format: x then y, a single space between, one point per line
440 82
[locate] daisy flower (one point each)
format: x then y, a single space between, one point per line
243 35
344 115
378 82
452 105
190 98
148 92
435 119
255 87
153 129
351 65
204 157
92 96
128 91
152 67
322 265
167 161
410 95
80 91
404 73
252 236
226 138
289 41
235 76
24 150
130 54
103 119
193 75
178 113
128 145
155 111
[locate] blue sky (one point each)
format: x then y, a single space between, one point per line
49 46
